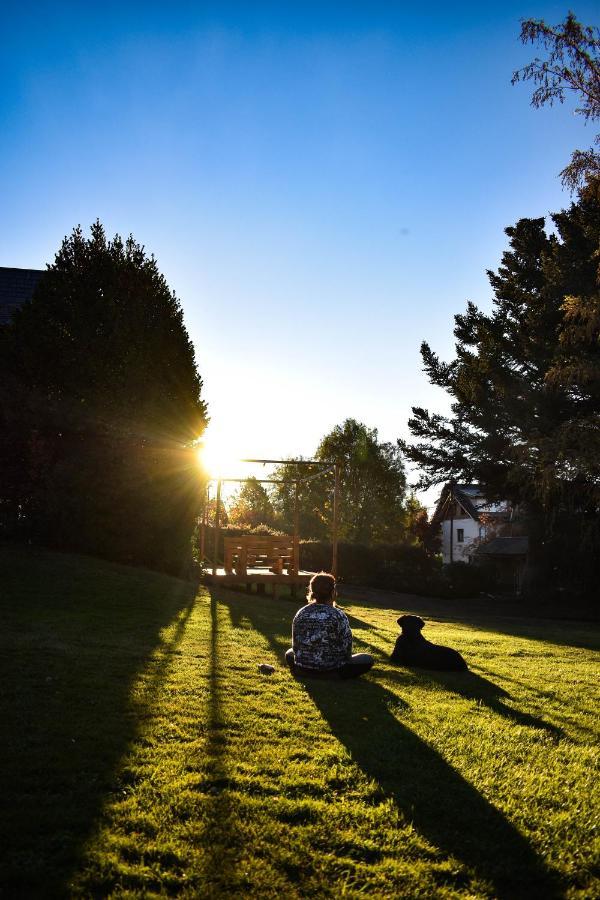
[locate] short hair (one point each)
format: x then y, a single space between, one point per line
321 587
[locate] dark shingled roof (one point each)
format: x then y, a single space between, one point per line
505 546
465 494
16 287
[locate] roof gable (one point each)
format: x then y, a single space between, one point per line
463 494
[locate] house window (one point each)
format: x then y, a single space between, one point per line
460 535
481 532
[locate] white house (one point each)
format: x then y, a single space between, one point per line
467 519
474 529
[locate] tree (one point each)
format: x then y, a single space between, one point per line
572 65
523 424
102 398
315 506
373 483
372 488
418 527
251 506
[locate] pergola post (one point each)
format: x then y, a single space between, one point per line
296 531
336 512
217 528
204 523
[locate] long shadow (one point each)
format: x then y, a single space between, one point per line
217 838
444 808
475 687
75 634
448 811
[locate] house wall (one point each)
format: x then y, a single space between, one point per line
493 516
460 551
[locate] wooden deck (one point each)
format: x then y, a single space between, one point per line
256 576
261 578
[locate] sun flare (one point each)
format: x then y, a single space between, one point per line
217 455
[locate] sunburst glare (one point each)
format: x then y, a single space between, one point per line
218 456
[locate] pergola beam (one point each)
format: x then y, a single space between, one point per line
324 467
288 462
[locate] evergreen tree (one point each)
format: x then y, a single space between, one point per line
525 417
102 399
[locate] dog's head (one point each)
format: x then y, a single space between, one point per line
411 625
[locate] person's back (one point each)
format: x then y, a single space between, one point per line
321 637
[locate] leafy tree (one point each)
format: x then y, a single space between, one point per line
418 528
372 488
572 65
315 509
373 483
526 414
102 399
251 506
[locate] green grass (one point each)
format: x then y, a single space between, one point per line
143 754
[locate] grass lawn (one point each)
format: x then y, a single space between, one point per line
144 755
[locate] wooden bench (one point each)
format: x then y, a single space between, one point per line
261 551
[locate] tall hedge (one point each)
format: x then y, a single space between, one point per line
100 404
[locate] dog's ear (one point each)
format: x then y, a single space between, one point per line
419 623
401 620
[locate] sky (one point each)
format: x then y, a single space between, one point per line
324 185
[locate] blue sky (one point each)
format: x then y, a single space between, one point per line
323 185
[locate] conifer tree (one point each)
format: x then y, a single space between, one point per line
525 419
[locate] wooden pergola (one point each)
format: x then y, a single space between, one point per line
294 576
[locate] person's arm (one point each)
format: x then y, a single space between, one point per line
294 633
346 636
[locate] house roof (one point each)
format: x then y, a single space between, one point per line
16 287
505 546
465 494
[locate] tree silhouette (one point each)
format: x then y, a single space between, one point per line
102 399
525 419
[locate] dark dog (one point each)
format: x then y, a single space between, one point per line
413 650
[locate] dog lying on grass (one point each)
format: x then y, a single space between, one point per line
413 650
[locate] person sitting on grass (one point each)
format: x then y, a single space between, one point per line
321 636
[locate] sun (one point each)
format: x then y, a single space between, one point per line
217 455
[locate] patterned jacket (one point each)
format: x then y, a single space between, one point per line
321 637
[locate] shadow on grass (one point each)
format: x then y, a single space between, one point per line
448 811
75 636
218 841
496 615
475 687
444 808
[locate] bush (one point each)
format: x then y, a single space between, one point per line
413 571
401 567
462 579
